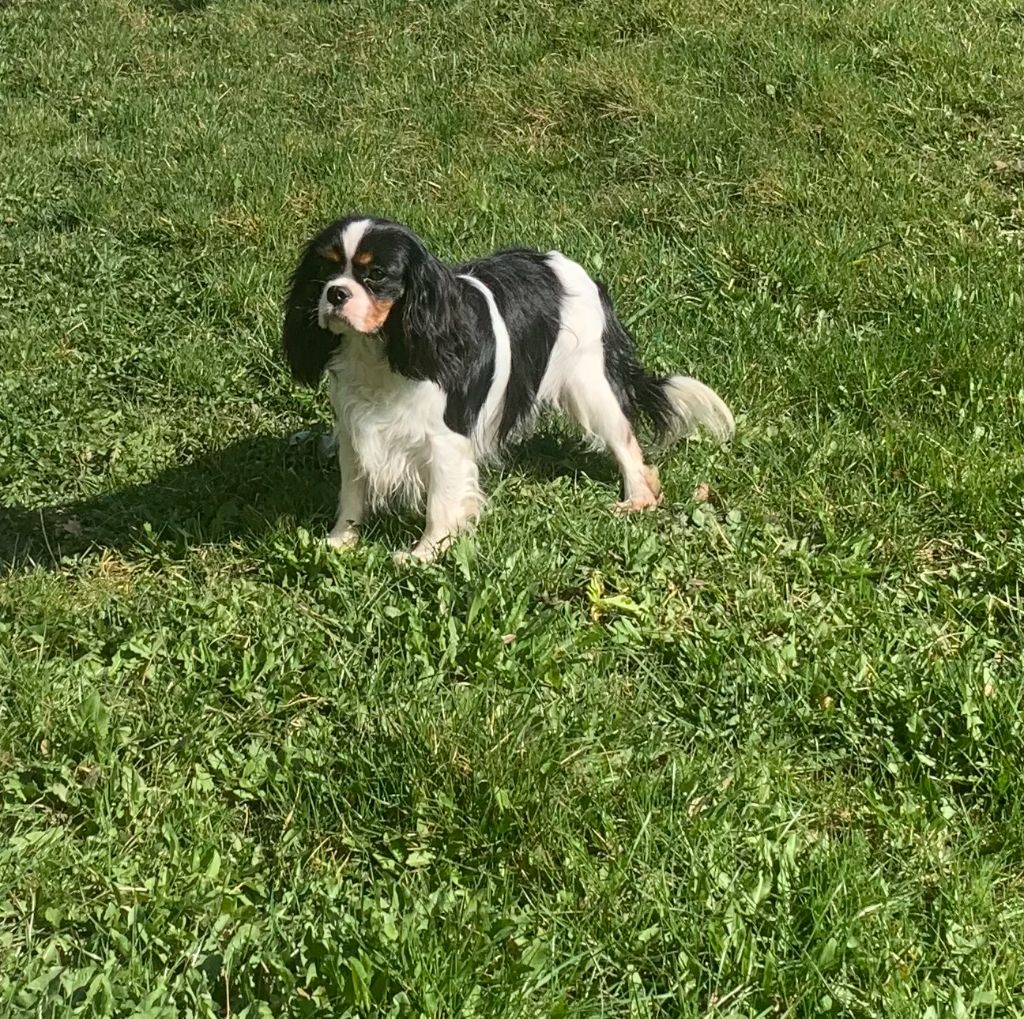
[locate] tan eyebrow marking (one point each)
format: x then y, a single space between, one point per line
331 254
364 258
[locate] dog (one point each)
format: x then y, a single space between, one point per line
435 367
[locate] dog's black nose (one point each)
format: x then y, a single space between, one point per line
338 295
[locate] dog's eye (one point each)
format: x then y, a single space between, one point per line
374 277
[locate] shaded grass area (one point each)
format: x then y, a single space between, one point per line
758 755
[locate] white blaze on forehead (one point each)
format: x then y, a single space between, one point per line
350 238
357 307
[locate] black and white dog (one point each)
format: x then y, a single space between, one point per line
433 367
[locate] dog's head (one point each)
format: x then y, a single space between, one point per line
370 278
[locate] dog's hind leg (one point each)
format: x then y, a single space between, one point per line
588 398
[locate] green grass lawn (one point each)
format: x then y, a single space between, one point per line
753 756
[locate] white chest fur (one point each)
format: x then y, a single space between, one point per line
391 421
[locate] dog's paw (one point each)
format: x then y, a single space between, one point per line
416 555
648 498
643 501
638 504
343 540
422 552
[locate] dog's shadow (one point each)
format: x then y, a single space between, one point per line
549 455
239 492
243 489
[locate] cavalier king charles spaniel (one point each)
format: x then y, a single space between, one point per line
433 367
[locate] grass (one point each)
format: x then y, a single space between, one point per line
754 756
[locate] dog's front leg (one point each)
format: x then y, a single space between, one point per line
453 495
352 499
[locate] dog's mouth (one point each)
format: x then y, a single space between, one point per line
336 322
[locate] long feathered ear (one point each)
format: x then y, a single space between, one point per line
426 339
307 347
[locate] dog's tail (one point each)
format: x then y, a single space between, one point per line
678 405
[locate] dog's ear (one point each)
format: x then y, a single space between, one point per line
427 332
307 347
